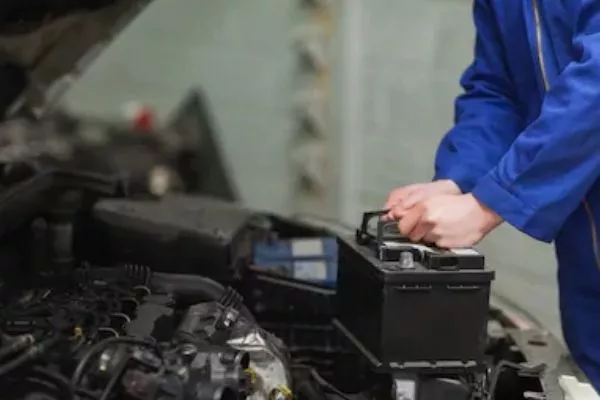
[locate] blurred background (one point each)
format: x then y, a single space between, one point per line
318 106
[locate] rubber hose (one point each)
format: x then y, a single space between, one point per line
188 285
197 288
60 381
18 344
32 353
194 288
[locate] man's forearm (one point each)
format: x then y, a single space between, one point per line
555 161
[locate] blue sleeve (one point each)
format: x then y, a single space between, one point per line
486 117
554 162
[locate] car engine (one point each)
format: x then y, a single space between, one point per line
109 291
116 333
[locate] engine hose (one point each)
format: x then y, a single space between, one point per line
188 285
31 354
58 380
195 288
85 394
20 343
99 347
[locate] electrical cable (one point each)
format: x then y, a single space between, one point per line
19 343
327 385
99 347
29 355
50 381
69 314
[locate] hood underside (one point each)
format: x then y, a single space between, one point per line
43 42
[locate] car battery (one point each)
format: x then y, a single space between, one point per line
312 259
410 306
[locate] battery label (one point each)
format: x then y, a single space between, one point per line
310 270
307 247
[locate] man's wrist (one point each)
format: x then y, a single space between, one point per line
490 219
449 186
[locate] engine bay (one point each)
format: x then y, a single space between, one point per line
115 333
99 326
113 290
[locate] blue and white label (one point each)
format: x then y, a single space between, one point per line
310 270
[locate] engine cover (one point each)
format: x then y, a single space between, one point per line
209 237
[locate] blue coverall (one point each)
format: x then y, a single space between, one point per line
526 143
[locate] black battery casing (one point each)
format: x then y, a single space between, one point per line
422 318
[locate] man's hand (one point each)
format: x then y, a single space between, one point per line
402 199
449 221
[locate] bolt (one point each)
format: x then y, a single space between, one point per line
403 389
230 318
407 260
183 373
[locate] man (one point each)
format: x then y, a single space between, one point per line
525 149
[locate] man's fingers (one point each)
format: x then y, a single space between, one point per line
431 237
412 199
420 231
397 195
443 243
397 212
389 216
410 220
392 199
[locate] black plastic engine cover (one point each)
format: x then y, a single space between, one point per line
177 234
